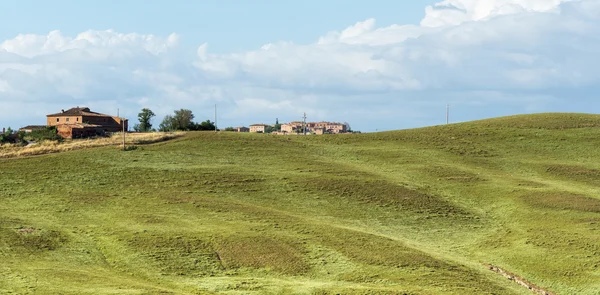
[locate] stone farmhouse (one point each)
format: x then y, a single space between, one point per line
82 122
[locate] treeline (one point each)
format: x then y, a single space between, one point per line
180 120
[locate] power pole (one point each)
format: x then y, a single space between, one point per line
215 117
304 123
447 113
123 123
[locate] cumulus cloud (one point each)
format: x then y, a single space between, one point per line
454 12
488 56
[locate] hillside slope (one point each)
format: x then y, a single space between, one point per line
406 212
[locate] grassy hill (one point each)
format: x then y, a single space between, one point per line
405 212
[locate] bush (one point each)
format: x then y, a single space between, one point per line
48 133
9 136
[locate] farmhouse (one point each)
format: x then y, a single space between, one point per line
258 128
82 122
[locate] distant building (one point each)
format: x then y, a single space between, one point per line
258 128
31 128
82 122
241 129
336 128
319 130
290 127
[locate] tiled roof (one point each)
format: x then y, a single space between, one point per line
78 112
33 127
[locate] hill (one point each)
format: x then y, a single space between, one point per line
420 211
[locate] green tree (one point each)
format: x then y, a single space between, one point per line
167 124
180 120
206 125
145 118
183 119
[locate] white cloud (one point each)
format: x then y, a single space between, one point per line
454 12
524 54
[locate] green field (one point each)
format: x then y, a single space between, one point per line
417 211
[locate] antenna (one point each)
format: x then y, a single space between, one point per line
304 123
215 117
447 113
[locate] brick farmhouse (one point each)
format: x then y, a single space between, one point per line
82 122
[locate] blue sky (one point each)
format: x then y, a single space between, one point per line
228 25
378 65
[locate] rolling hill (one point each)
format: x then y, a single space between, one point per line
421 211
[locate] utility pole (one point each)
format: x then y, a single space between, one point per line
123 124
304 123
215 117
447 113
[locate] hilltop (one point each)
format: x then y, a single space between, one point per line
420 211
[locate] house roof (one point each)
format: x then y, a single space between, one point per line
83 111
33 127
259 125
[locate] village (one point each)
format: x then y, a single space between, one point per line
82 122
297 127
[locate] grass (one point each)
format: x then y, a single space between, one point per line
418 211
48 147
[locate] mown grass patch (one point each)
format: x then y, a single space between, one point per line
375 250
575 173
403 265
262 252
385 194
31 240
562 201
177 254
452 174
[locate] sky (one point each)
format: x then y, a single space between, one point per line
378 65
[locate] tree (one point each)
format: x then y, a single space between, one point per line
167 124
348 129
145 116
229 129
206 125
180 120
183 119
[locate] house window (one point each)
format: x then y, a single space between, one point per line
57 119
67 119
77 119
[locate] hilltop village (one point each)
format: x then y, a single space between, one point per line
297 127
